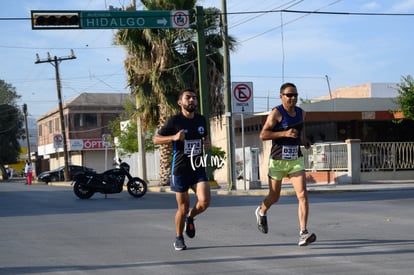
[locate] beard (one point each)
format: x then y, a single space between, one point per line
190 108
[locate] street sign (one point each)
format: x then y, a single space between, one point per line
106 138
242 97
97 19
58 140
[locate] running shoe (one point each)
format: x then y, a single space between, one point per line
306 238
261 221
179 243
189 227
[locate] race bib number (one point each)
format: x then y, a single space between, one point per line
193 147
290 152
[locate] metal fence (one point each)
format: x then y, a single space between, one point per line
387 156
326 156
374 156
152 163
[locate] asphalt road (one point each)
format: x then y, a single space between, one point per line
48 230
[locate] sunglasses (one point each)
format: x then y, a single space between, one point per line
291 95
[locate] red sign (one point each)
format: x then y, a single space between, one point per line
242 97
58 140
180 19
93 144
242 92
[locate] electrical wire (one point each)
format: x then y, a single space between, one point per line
292 21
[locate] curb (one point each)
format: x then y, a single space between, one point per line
252 192
286 191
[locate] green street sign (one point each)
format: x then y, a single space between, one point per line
134 19
96 19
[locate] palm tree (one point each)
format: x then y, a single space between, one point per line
160 62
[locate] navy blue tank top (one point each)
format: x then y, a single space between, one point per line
287 148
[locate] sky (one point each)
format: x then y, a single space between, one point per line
317 52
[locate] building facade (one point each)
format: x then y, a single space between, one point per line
86 119
366 112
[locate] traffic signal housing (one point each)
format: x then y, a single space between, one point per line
55 20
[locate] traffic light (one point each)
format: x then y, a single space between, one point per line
55 20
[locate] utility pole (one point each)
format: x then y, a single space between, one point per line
134 4
330 93
202 78
27 131
55 62
142 163
227 97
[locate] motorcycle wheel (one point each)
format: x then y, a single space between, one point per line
137 187
82 192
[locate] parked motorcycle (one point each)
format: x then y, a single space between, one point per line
109 182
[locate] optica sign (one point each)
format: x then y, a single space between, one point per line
88 144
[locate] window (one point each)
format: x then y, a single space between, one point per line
39 131
57 126
50 127
85 120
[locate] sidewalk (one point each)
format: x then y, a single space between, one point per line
287 189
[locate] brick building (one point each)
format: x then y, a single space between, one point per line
86 118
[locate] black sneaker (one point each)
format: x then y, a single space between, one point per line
306 239
189 227
261 222
179 243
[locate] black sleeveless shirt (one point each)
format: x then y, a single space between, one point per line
287 148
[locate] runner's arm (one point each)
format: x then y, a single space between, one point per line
159 139
272 120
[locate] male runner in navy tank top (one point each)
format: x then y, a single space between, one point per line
284 127
188 133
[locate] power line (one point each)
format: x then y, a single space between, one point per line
323 12
273 11
350 13
291 21
278 7
57 48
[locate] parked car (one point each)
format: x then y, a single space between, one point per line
9 171
58 174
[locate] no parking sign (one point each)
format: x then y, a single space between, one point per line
180 19
58 140
242 97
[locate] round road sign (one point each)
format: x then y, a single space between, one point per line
180 19
242 92
58 140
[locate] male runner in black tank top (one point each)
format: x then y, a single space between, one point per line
284 127
188 133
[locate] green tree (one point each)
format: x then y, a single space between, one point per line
160 62
304 101
406 96
219 157
127 137
11 123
